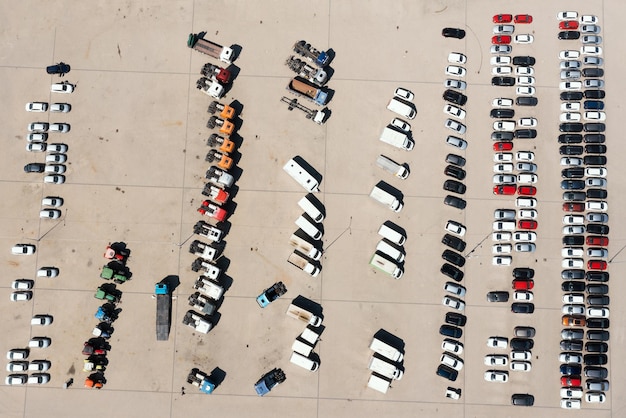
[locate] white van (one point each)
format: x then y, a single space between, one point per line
308 226
391 234
304 362
401 108
386 350
389 249
301 347
384 368
299 174
378 383
311 205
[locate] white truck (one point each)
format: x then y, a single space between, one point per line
295 169
209 231
303 315
378 383
380 365
386 350
303 263
220 178
209 287
203 250
396 138
390 166
313 74
197 322
202 303
386 198
209 270
298 241
210 87
386 266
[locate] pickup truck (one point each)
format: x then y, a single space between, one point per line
201 380
270 294
269 381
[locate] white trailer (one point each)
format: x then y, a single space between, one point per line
396 138
378 383
384 368
390 166
386 266
302 262
303 315
386 199
305 247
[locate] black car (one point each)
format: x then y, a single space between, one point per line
598 323
502 113
596 335
453 33
594 94
571 127
447 372
596 372
526 133
455 202
502 81
525 61
61 69
594 138
597 229
568 34
454 97
522 307
453 242
602 300
596 347
597 276
454 186
573 286
597 194
455 159
526 101
573 173
595 149
570 369
571 96
595 127
572 185
570 138
454 171
499 296
450 331
520 399
452 272
594 160
597 289
457 319
34 168
595 359
571 150
574 196
593 72
593 105
523 273
573 274
571 345
454 258
522 344
573 240
502 136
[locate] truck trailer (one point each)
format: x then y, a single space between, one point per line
386 198
223 53
303 315
301 244
303 88
390 166
299 260
386 266
164 304
320 58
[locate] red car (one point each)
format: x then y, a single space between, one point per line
524 224
504 189
568 25
570 381
523 284
597 241
502 146
527 190
523 19
501 40
596 265
502 18
573 207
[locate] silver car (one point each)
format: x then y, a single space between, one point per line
591 39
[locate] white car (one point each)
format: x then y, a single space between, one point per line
504 178
571 161
503 168
526 202
404 94
521 366
63 87
528 167
598 116
501 249
520 355
454 303
501 260
455 289
595 29
452 346
597 205
50 214
21 296
455 84
60 107
455 126
55 168
457 58
36 147
570 65
452 110
524 38
595 172
500 60
569 54
523 296
496 360
453 393
525 71
573 230
526 178
595 397
17 354
527 122
571 358
456 142
455 70
524 156
37 137
525 236
574 298
570 85
502 102
573 309
503 29
571 392
53 201
54 179
570 117
525 80
573 220
57 148
39 365
22 284
59 127
455 228
502 157
16 379
17 366
572 252
527 214
594 312
501 49
400 124
570 75
570 403
497 342
23 249
525 247
596 182
496 376
38 379
39 342
448 360
591 50
525 90
36 107
38 127
591 39
504 125
573 263
504 70
568 15
41 320
593 83
56 158
501 236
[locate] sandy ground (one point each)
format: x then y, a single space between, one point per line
136 168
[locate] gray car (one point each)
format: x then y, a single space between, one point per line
572 334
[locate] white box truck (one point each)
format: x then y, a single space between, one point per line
402 108
312 207
387 248
390 166
386 199
302 176
304 362
386 350
303 315
310 336
302 262
391 231
396 138
298 241
386 266
384 368
301 347
378 383
309 226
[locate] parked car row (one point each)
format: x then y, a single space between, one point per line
584 184
18 366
